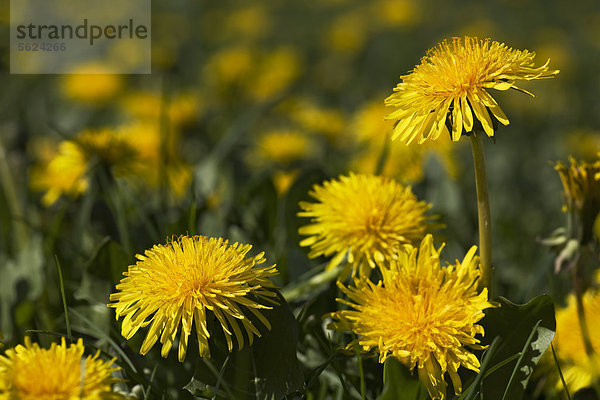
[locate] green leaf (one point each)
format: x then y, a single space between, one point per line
276 368
399 383
528 329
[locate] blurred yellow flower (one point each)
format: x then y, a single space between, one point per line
63 174
397 12
583 143
405 162
449 86
31 373
134 152
250 22
283 180
91 83
148 106
157 160
184 280
276 70
229 66
281 147
327 121
347 33
581 185
579 370
423 314
365 217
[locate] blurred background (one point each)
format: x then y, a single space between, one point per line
251 103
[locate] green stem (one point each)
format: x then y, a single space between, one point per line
483 212
12 201
383 156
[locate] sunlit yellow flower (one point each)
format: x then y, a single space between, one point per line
187 281
91 83
365 217
31 373
581 184
423 314
451 85
578 368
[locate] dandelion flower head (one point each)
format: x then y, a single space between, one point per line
451 85
364 216
423 314
187 281
29 373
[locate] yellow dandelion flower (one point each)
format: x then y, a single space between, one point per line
581 184
251 22
148 106
275 72
364 216
280 146
91 83
327 121
66 171
63 174
423 314
283 180
157 161
30 373
579 370
185 282
450 84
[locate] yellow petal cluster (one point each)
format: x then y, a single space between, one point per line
365 217
421 313
581 185
451 85
579 369
188 281
31 373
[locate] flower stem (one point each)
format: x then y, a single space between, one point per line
483 213
383 156
579 289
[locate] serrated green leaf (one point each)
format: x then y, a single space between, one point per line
527 328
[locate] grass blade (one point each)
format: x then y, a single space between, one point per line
64 299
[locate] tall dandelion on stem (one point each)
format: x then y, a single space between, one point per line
446 94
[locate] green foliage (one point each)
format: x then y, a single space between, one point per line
526 330
399 383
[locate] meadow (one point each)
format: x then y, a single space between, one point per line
344 199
